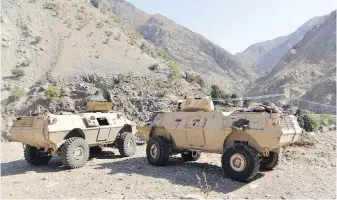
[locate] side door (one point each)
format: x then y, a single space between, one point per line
104 128
117 123
195 131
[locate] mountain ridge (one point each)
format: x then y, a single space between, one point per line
306 65
274 49
191 50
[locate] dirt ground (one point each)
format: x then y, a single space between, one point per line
304 172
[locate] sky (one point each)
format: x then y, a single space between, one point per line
237 24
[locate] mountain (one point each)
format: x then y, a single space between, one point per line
191 51
309 66
72 48
265 55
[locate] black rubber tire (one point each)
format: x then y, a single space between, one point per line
163 151
188 157
270 162
67 156
96 150
252 162
123 141
32 157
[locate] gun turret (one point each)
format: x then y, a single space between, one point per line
100 101
204 104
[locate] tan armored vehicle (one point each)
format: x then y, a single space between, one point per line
247 140
72 136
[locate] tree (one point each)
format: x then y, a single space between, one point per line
286 107
266 103
310 123
216 93
247 103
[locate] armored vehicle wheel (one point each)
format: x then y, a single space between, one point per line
270 162
158 151
191 156
240 162
140 140
127 144
96 150
35 157
74 152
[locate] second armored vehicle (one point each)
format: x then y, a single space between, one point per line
72 136
247 140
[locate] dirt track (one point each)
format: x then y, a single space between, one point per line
305 172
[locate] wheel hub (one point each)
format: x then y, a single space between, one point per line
154 151
130 144
238 162
78 153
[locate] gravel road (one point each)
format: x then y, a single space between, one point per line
305 172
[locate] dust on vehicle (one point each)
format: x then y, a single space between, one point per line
74 136
248 140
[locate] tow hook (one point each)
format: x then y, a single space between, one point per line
194 154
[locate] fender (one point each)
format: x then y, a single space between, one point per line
241 137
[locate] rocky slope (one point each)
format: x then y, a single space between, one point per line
308 66
78 48
265 55
190 50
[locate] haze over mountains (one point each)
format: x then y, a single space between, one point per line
310 68
265 55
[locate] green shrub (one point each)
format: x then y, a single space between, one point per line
161 53
137 35
18 92
121 77
52 92
307 120
38 39
311 123
174 67
18 72
326 120
300 121
208 89
117 19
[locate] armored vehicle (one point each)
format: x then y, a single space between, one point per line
74 136
248 140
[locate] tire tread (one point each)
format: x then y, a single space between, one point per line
65 157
